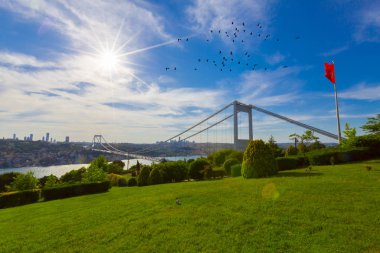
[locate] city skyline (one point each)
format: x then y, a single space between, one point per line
142 71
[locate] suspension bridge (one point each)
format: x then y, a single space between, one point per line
209 128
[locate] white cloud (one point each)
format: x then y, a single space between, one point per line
275 58
335 51
271 87
218 14
368 23
362 91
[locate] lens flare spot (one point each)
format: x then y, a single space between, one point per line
270 192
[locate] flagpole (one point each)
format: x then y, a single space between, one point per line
337 111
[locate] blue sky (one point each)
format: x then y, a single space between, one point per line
80 68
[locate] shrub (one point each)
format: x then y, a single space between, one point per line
24 182
238 155
369 141
218 173
219 157
197 167
142 179
73 176
7 179
155 177
94 174
66 191
291 150
121 182
173 171
114 179
132 182
9 199
51 179
337 155
287 163
236 170
258 160
228 163
100 162
116 167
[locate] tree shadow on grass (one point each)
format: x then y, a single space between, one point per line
298 174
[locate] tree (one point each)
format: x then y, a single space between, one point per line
51 181
308 136
100 162
142 179
258 160
291 150
198 167
295 137
116 167
94 174
155 177
24 182
373 125
273 145
350 136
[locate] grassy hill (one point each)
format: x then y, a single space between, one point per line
331 209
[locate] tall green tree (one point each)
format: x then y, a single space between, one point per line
308 137
295 137
373 125
350 136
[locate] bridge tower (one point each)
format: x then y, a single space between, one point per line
240 144
97 139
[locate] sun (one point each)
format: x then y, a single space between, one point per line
109 60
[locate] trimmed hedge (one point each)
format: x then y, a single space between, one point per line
218 173
9 199
287 163
67 191
236 170
229 163
324 156
132 182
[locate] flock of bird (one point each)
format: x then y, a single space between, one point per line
228 60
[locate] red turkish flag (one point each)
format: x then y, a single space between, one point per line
330 73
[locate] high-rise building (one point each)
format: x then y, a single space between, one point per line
31 137
43 138
67 139
47 137
51 139
14 136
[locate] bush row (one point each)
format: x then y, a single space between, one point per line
66 191
337 155
291 162
9 199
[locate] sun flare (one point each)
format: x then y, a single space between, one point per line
109 61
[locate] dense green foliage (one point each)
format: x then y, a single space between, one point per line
10 199
73 176
291 150
218 173
228 164
155 177
172 171
100 162
236 170
6 179
143 178
238 155
94 174
287 163
67 191
114 179
122 182
349 136
198 167
330 209
24 182
339 155
372 142
116 167
258 160
132 182
217 158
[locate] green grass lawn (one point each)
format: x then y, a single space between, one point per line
331 209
